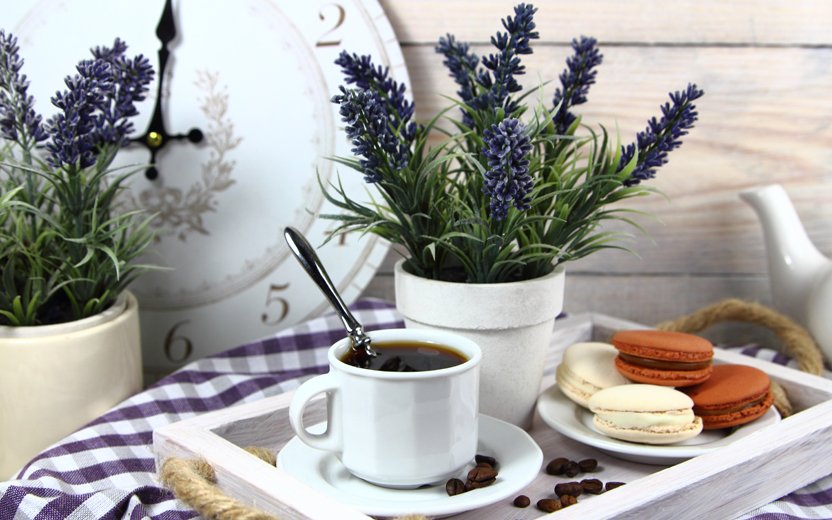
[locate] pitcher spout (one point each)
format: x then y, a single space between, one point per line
794 263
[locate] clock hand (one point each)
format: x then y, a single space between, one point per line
157 136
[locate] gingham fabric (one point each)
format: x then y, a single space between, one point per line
106 469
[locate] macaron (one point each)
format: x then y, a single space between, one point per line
732 396
587 368
647 414
663 358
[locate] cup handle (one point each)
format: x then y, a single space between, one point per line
329 440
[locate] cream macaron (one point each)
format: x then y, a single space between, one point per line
648 414
587 368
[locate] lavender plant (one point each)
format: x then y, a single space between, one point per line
511 192
65 254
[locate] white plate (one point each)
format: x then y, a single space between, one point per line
575 422
518 455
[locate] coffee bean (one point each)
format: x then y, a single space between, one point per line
555 466
568 500
491 461
571 468
454 487
549 505
612 485
569 488
473 484
482 473
522 501
588 465
592 485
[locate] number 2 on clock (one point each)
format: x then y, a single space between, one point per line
328 39
274 298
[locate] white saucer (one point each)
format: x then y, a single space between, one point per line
518 455
575 422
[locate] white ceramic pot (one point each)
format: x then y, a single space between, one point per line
56 378
511 322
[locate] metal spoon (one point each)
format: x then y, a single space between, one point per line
313 267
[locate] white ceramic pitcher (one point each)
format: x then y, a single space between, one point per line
800 275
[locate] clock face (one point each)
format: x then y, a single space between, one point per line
255 77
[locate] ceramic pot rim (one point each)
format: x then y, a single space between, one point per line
124 300
494 306
556 272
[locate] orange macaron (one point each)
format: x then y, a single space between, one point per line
663 358
732 396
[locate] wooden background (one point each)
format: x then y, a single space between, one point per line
766 69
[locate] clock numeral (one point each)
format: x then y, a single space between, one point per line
342 238
172 339
329 39
273 298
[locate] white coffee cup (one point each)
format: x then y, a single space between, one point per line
397 429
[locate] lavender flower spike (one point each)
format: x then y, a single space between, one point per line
368 128
461 63
96 107
130 81
507 180
360 71
662 136
576 80
18 120
505 65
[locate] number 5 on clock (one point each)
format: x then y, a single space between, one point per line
274 299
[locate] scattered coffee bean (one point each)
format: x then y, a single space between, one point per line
588 465
568 500
571 468
569 488
491 461
454 487
592 485
482 473
472 484
612 485
522 501
555 466
549 505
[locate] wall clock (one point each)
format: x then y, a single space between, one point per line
238 130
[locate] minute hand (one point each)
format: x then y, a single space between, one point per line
166 32
157 136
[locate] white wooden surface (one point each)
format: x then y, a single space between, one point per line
722 484
766 68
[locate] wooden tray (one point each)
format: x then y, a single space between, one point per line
724 483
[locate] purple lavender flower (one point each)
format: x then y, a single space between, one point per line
662 136
497 80
462 64
575 81
507 180
372 133
18 120
131 78
72 138
360 71
95 108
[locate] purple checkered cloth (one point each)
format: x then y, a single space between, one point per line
106 469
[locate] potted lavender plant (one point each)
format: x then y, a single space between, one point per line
69 333
488 216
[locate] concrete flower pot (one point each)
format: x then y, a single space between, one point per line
511 322
56 378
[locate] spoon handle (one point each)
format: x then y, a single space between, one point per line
313 267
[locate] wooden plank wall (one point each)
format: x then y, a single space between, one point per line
766 68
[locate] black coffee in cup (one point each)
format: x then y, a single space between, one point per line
410 356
